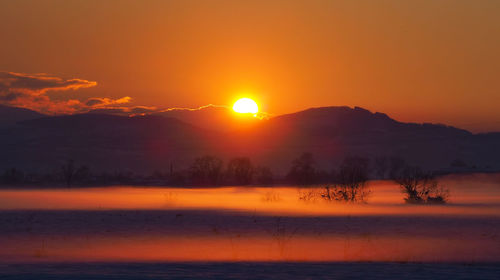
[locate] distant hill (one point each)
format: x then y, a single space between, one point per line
148 143
332 133
12 115
105 142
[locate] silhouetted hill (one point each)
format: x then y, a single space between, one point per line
358 125
331 133
105 142
353 120
147 143
12 115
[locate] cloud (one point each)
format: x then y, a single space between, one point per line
38 84
97 102
30 91
260 115
193 109
125 111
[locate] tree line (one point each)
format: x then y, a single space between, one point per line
203 171
346 183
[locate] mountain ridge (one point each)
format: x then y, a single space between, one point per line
153 142
11 115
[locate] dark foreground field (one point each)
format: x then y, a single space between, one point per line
242 270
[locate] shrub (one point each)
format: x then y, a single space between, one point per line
421 187
350 181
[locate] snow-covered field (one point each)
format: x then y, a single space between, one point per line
280 270
151 233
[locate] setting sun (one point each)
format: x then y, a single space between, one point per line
246 105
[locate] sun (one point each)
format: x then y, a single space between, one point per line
245 105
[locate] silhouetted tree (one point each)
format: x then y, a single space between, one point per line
125 177
68 171
170 177
13 176
264 176
158 175
240 171
354 171
303 170
82 174
71 173
176 178
421 187
206 170
350 181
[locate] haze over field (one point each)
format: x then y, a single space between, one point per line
249 224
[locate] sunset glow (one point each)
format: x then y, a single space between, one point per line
281 139
246 105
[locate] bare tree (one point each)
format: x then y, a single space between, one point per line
303 170
421 187
240 171
350 181
206 170
264 175
68 171
82 174
13 176
71 173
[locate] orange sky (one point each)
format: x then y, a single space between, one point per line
433 61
